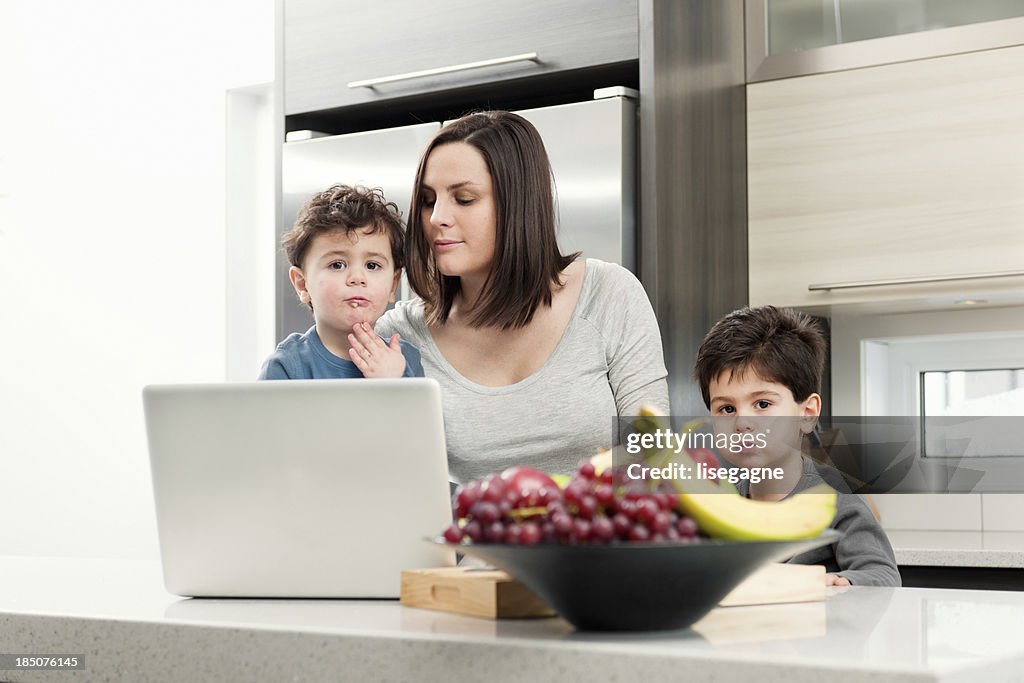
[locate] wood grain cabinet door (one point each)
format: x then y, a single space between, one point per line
330 44
897 173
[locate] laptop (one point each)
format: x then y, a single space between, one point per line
299 488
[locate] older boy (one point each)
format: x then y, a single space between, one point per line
346 251
760 370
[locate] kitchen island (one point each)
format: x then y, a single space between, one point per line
116 615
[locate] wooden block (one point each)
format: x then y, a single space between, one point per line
493 594
474 591
777 583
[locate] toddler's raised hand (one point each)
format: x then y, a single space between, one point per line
372 356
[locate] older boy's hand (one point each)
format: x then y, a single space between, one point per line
372 356
836 580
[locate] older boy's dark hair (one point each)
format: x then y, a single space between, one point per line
341 207
527 259
778 344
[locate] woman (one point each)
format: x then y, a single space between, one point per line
536 352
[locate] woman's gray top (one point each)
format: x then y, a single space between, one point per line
609 362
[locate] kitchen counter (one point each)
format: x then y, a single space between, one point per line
116 614
996 549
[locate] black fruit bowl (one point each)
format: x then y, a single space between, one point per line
636 586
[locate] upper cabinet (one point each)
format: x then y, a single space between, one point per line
890 183
788 38
335 56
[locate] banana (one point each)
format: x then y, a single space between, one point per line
731 516
601 461
721 512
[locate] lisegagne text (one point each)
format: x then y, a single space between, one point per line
733 475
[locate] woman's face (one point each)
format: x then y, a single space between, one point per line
458 210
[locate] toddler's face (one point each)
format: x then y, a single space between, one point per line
349 277
750 403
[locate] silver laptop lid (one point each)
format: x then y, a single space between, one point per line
301 488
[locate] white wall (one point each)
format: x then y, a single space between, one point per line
253 148
112 248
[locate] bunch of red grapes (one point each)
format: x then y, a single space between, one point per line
523 506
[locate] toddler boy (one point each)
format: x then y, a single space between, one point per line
759 370
346 251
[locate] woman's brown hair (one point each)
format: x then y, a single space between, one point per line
527 260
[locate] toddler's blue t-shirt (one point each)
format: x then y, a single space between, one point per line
304 356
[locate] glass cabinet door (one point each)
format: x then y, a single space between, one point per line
797 25
799 37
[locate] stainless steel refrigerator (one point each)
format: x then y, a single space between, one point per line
592 147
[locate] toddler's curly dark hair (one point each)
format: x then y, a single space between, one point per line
341 207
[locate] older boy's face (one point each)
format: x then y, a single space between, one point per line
748 403
349 277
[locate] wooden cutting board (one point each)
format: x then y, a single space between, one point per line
776 583
479 592
491 593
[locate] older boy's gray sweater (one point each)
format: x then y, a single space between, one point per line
863 553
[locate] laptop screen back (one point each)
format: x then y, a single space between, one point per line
303 488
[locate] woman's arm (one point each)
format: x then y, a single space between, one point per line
636 363
404 319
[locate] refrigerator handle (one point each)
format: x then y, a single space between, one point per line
371 82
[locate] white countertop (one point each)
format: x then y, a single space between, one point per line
1001 549
117 614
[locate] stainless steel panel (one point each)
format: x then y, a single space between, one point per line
386 159
329 44
693 234
592 148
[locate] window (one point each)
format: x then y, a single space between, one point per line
986 394
972 392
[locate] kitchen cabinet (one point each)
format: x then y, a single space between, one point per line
896 183
328 46
788 38
800 25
